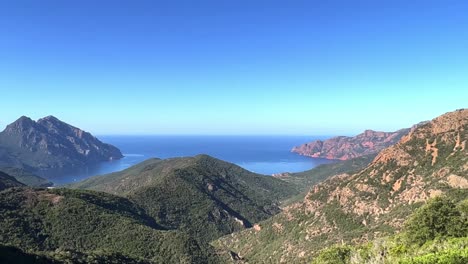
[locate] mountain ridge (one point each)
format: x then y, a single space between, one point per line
430 161
7 181
56 221
26 177
205 196
345 148
50 143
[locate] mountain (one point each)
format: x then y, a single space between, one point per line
345 148
64 224
7 181
308 178
202 195
435 233
51 143
304 180
26 177
430 161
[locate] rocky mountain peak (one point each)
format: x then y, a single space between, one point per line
50 142
345 148
369 132
49 118
23 123
456 120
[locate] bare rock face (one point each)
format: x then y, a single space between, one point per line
345 148
51 143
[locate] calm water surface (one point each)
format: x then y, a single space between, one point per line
260 154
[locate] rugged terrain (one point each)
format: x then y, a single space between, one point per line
304 180
435 233
202 195
50 143
430 161
345 148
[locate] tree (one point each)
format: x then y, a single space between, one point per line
439 217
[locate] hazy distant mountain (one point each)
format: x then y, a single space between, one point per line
50 143
345 148
430 161
205 196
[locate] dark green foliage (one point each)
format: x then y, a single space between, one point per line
83 221
9 254
17 256
203 196
345 222
7 181
440 217
334 255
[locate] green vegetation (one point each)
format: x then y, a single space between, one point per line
7 181
294 235
334 255
435 233
304 180
166 211
15 255
439 218
201 195
90 224
373 203
26 177
322 172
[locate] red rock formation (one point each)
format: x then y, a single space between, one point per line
345 148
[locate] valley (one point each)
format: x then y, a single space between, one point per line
204 210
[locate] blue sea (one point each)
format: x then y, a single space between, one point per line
260 154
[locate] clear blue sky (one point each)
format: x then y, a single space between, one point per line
233 67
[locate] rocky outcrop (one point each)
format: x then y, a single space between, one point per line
370 203
345 148
51 143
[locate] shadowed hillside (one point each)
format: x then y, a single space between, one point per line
90 223
205 196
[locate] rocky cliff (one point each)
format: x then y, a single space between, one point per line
51 143
345 148
431 160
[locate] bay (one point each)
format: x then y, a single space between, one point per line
260 154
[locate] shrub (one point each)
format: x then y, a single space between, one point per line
439 217
451 256
334 255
